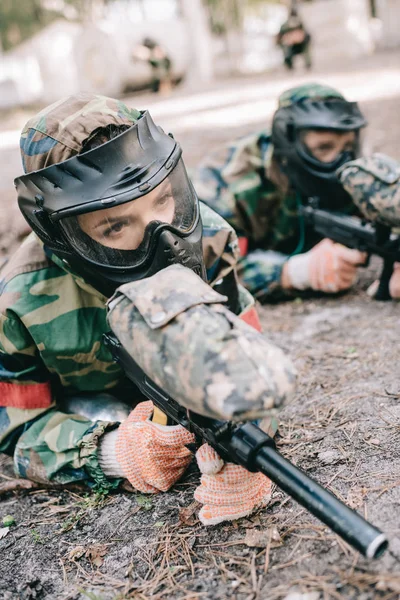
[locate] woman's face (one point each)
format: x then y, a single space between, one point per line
122 227
326 145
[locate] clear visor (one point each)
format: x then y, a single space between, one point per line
329 149
124 235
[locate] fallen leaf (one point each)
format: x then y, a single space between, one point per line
3 532
95 554
76 553
187 515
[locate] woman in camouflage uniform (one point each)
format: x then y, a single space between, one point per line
258 182
108 199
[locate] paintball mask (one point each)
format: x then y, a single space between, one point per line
308 175
120 212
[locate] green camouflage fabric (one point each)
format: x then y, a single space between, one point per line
307 91
52 321
228 370
57 132
374 184
51 327
234 182
237 181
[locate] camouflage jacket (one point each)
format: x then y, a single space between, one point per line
234 182
51 327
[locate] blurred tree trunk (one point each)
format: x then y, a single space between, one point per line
389 13
227 17
202 56
234 31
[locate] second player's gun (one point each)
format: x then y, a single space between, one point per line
353 232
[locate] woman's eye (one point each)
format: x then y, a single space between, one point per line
115 228
324 149
164 200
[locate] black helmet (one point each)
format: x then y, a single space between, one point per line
57 200
315 107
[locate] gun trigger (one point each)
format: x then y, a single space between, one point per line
192 447
159 417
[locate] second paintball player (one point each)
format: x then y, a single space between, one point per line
258 182
107 196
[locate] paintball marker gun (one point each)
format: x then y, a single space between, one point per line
354 232
249 446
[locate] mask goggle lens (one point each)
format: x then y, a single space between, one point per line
123 235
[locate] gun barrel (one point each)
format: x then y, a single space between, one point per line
255 449
344 521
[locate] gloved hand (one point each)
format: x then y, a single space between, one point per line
152 457
328 267
394 283
228 491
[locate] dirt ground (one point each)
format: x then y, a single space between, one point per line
342 428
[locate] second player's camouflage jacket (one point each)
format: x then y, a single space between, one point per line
51 327
235 182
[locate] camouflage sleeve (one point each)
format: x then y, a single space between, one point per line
374 184
229 181
48 446
54 448
260 272
229 370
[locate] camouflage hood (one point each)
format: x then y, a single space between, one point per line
308 91
57 132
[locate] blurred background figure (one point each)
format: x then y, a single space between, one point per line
157 57
294 39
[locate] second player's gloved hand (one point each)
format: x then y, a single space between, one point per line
228 491
394 284
328 267
151 456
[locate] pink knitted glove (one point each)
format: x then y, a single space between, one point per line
228 491
152 457
328 267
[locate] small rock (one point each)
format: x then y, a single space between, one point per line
306 596
375 441
329 457
260 539
235 584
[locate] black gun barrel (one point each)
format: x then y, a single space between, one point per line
251 450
